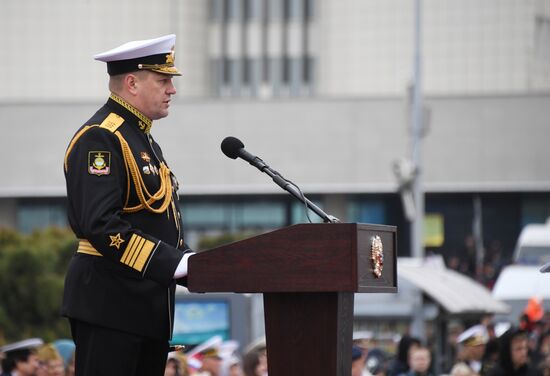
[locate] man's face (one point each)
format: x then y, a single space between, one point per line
28 368
518 351
475 352
212 364
153 94
358 364
420 360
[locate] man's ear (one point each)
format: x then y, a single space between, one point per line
131 83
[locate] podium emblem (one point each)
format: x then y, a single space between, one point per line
377 256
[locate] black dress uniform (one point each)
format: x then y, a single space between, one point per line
123 207
122 274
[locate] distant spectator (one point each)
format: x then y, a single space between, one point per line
20 358
358 359
211 362
66 348
50 361
461 369
542 351
234 367
468 257
70 366
544 367
513 359
173 366
490 356
532 314
377 362
420 360
454 329
401 363
471 347
255 363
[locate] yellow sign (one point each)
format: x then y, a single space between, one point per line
434 230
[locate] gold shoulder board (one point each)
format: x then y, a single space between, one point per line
112 122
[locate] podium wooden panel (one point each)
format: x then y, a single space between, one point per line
308 274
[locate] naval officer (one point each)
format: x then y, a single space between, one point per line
123 207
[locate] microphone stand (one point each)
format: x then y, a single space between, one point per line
290 188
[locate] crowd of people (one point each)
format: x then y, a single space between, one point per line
482 349
465 261
33 357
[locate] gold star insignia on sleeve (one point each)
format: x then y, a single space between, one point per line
116 241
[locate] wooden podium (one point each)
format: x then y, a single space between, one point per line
308 274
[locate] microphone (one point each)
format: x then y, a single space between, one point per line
233 148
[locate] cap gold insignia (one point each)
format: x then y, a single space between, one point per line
116 241
99 163
377 256
170 57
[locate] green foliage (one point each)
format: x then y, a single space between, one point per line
32 272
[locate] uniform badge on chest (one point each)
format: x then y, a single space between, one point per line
145 156
149 168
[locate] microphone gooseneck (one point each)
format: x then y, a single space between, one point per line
233 148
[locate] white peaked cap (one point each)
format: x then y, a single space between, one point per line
476 335
22 345
155 54
139 48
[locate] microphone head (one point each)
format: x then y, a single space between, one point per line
231 146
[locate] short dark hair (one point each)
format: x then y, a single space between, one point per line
15 356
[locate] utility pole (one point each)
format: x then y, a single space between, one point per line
417 131
418 327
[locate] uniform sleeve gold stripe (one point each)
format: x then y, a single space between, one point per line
144 255
137 252
112 122
134 256
129 249
89 252
84 246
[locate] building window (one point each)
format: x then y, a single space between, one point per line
264 49
247 66
37 215
216 10
226 69
308 10
367 211
232 10
252 10
307 70
234 215
286 70
293 9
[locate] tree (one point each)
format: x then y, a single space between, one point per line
32 271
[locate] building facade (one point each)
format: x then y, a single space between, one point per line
317 88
